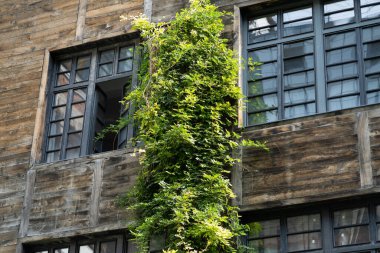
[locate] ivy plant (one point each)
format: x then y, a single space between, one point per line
186 111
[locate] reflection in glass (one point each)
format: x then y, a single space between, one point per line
268 245
269 20
70 154
341 55
126 52
262 102
76 124
262 34
86 248
298 64
342 71
304 223
299 79
82 75
343 103
65 66
299 95
265 70
264 55
343 87
365 2
63 250
340 40
79 95
55 143
372 66
53 156
298 48
339 18
373 82
300 110
124 66
83 62
264 228
108 247
371 12
77 109
105 69
63 79
74 140
262 117
58 113
373 97
56 128
60 98
306 241
372 49
298 27
107 56
371 33
297 14
262 86
338 5
352 235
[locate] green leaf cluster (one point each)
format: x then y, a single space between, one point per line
187 108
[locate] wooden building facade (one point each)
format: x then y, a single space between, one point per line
314 101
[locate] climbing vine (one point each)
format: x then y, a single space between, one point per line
186 110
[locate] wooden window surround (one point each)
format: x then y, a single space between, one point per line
316 56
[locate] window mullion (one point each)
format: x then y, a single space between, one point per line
280 71
372 222
88 124
66 124
359 50
327 233
320 80
283 235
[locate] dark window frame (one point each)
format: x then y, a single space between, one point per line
318 35
86 146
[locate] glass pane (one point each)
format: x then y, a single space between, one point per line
371 12
343 103
341 71
77 109
364 2
269 245
304 223
65 66
55 143
63 79
262 102
53 156
269 20
108 247
307 241
299 64
341 55
64 250
56 128
343 87
378 233
372 49
74 140
263 86
58 113
83 62
126 52
372 66
107 56
262 117
340 18
298 27
76 124
70 154
299 95
353 235
82 75
373 82
298 49
300 110
340 40
125 65
87 248
373 97
338 5
105 69
297 14
60 98
265 70
264 55
43 251
299 79
79 95
264 34
372 33
264 228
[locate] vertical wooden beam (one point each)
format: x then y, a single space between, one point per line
96 190
236 178
148 7
82 9
364 150
25 212
38 133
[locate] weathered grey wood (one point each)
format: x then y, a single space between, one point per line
236 178
364 149
29 189
96 191
81 19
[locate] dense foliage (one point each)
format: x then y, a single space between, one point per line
186 109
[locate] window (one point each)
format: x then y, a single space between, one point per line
341 228
316 57
84 98
97 244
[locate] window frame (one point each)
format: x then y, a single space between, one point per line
318 35
88 126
